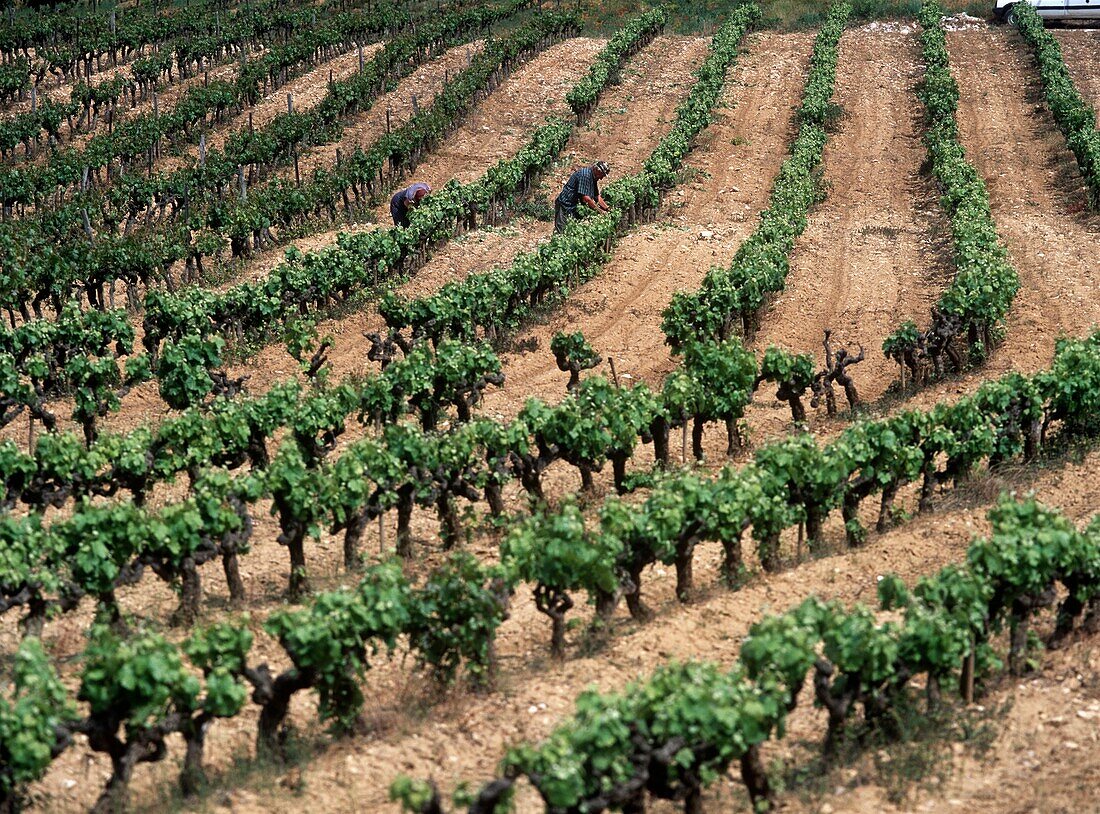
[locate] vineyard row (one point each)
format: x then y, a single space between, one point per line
674 734
138 690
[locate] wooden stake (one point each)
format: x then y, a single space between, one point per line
966 679
614 375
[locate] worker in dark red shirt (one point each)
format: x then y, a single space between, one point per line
582 187
405 200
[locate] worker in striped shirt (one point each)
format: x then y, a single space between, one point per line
582 187
405 200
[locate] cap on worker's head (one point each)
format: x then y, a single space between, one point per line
602 167
417 191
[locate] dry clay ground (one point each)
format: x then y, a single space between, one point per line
871 257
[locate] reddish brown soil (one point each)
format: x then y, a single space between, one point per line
635 113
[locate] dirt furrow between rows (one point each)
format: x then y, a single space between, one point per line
702 223
1038 205
868 259
363 130
1037 198
503 122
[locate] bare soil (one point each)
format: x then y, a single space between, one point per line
871 256
502 123
1079 49
701 223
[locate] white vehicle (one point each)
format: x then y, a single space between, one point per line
1052 9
